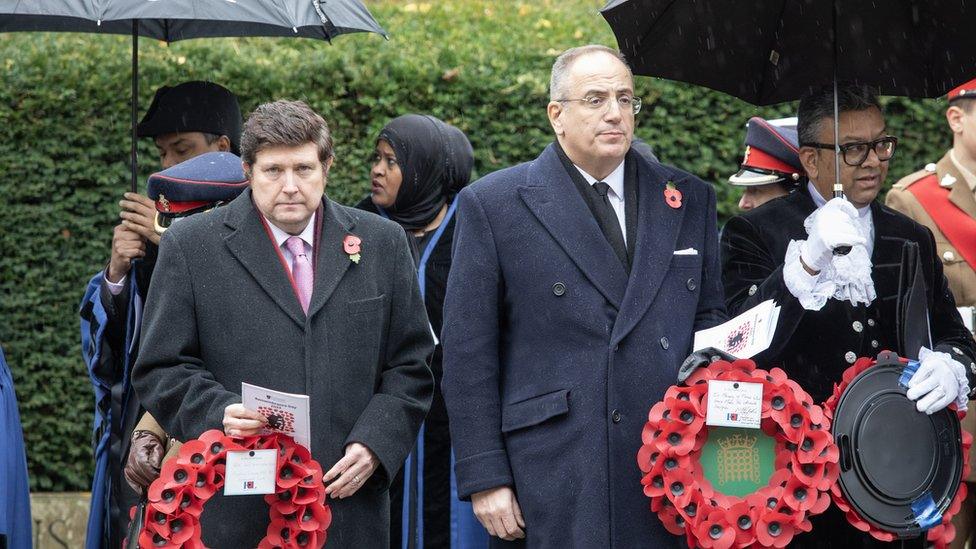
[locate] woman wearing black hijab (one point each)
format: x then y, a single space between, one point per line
419 166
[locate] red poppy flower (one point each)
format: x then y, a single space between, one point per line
655 415
672 196
351 244
672 520
679 486
743 517
715 532
799 495
774 530
686 412
673 440
810 474
814 446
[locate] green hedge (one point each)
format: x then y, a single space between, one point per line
479 64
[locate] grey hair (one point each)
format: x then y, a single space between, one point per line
818 105
560 68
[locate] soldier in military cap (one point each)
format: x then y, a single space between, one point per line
941 197
771 165
184 121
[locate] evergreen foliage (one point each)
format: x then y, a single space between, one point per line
481 65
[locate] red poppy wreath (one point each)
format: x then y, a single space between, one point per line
942 534
805 463
299 514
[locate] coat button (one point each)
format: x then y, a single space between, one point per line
615 416
956 350
691 284
559 288
972 367
874 343
753 289
858 327
948 255
871 322
665 343
850 357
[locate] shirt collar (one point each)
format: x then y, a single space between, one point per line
969 176
820 201
615 180
307 235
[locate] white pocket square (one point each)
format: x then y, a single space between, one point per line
686 251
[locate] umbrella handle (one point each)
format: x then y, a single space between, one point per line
839 193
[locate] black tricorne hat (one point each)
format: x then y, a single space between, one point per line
194 106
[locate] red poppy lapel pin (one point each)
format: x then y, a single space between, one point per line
351 245
672 195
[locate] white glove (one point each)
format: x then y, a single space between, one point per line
834 225
939 382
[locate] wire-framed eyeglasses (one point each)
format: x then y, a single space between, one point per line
627 103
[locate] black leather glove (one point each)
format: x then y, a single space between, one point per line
704 357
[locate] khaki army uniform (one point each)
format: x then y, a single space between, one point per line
962 277
962 282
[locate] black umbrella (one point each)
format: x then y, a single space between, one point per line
775 51
174 20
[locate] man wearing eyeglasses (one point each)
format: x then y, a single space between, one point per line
586 273
942 196
838 307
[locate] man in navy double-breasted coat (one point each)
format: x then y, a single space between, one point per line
579 281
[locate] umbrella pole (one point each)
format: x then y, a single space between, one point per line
134 104
838 188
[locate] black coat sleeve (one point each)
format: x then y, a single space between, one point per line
169 376
389 424
751 274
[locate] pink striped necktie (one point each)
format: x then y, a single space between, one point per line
301 270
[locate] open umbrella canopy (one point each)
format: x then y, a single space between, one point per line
175 20
776 50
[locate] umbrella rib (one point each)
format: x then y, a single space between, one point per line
654 24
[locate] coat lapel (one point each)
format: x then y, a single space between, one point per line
657 232
331 260
888 244
250 245
552 198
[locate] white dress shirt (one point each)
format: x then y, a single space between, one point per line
307 236
615 195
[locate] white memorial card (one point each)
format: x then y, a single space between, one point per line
744 336
734 404
250 472
287 413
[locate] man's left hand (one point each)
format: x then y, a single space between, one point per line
935 385
350 472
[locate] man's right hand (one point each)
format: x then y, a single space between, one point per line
126 246
241 422
144 459
834 226
499 512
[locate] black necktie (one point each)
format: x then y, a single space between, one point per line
609 222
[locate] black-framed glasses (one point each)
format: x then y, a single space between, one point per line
856 153
627 103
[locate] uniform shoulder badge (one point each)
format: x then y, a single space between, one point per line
910 179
